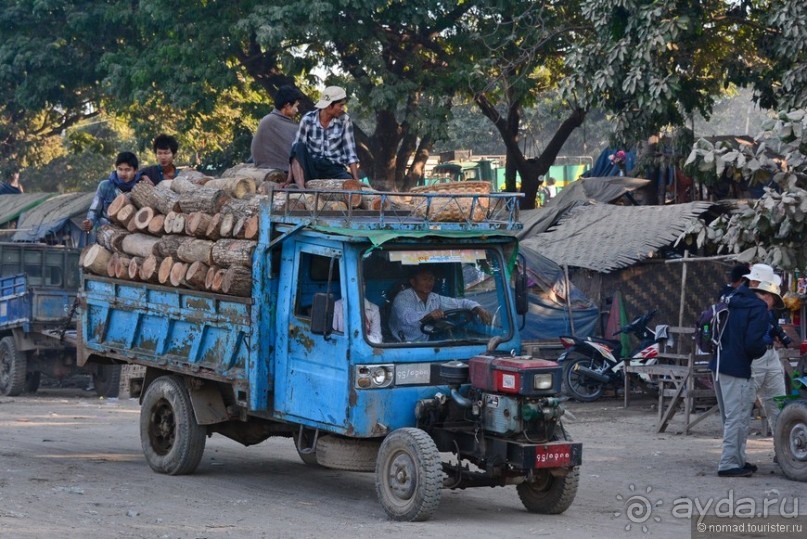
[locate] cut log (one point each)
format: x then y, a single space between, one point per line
112 265
203 199
174 223
193 175
227 223
243 208
122 267
212 232
332 205
157 223
251 228
237 282
218 279
195 250
196 224
149 269
211 273
119 203
238 228
134 268
96 259
177 276
268 186
236 187
82 255
164 271
110 237
288 201
337 185
131 227
143 218
125 214
167 246
145 195
141 245
196 275
181 184
164 185
227 253
258 174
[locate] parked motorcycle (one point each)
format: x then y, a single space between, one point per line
592 364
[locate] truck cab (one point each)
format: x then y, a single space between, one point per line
381 341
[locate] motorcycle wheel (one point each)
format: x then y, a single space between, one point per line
578 386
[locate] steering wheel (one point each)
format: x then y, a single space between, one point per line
454 319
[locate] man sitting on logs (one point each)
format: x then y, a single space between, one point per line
121 180
165 148
325 143
276 132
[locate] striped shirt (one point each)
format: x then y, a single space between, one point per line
335 143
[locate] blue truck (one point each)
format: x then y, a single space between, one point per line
448 402
38 287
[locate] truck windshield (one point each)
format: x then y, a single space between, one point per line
452 296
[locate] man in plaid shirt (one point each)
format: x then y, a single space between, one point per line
325 144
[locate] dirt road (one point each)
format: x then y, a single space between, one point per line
71 466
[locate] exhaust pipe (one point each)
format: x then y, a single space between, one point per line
594 375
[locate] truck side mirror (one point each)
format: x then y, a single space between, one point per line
522 305
322 314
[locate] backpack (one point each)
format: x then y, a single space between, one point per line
710 325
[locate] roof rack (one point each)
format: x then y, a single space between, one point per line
395 211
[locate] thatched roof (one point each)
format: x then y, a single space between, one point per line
604 237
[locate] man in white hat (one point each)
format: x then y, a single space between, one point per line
325 145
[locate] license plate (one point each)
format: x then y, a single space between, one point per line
553 456
413 374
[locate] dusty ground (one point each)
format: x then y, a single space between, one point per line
71 466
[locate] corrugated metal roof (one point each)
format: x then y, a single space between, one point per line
51 215
604 237
11 206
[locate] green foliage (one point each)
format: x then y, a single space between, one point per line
771 229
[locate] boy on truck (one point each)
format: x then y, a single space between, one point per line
121 180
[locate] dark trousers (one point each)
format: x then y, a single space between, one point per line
316 168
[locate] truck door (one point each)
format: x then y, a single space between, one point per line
312 376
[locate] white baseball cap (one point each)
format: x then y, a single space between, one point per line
329 95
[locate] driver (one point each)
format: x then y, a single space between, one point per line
419 304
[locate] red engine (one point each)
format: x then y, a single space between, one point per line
520 375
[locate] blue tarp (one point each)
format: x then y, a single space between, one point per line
604 167
51 220
548 317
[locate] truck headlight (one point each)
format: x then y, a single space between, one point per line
542 381
374 376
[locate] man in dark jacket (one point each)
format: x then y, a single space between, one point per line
743 341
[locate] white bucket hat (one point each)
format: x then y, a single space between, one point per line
763 272
773 289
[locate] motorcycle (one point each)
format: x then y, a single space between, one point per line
591 364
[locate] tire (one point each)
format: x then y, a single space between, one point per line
106 379
308 458
790 440
12 368
32 380
409 475
548 494
173 442
581 388
355 455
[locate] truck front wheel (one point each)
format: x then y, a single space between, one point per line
12 368
172 440
550 494
409 475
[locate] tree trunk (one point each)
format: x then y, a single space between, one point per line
144 195
237 187
196 224
203 199
141 245
149 269
237 282
177 275
227 253
196 275
143 218
96 259
167 246
164 273
196 251
156 225
111 237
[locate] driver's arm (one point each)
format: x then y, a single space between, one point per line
447 303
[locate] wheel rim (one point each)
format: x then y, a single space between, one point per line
400 480
162 427
798 442
581 384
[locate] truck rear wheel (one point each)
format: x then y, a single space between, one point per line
173 442
106 379
549 494
12 368
356 455
790 440
409 475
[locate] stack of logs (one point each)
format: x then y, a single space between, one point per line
199 232
192 232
